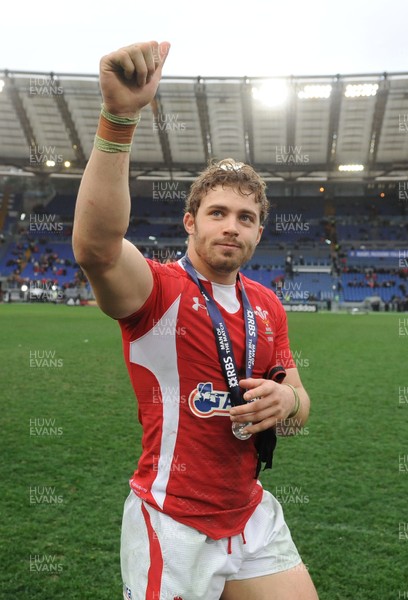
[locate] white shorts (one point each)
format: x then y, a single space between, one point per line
162 559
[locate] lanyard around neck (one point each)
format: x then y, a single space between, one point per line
222 338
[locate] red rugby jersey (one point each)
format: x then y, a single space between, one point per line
192 467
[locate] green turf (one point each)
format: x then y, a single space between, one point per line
341 486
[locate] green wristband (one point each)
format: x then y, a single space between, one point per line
119 120
297 402
107 146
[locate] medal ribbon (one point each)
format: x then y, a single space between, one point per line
222 338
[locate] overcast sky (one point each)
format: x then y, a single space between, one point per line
210 37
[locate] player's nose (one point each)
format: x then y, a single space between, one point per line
230 225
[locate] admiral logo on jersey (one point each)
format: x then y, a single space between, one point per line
205 402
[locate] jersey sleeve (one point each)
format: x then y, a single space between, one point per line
164 291
282 352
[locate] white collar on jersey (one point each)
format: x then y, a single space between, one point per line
224 294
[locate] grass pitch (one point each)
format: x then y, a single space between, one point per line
70 441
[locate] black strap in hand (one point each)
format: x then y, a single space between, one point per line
265 441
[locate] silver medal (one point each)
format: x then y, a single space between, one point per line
238 430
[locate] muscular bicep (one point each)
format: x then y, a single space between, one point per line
121 289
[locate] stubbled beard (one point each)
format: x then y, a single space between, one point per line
226 264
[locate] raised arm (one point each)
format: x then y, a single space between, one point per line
119 274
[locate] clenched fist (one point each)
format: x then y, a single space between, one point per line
129 77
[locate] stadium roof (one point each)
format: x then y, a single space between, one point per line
323 125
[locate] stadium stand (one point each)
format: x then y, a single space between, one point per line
335 165
305 256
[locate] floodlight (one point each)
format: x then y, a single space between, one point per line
351 167
360 90
315 91
271 93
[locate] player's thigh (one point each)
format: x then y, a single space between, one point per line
162 559
293 584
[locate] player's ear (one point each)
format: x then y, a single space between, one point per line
260 232
189 223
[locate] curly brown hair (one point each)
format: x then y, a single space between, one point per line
228 173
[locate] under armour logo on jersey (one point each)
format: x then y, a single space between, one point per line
197 305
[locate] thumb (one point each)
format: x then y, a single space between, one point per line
164 48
